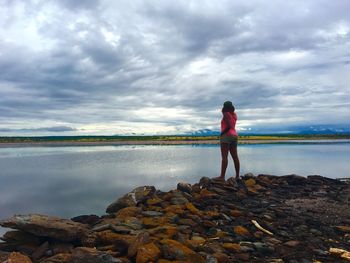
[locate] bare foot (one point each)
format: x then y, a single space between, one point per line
219 178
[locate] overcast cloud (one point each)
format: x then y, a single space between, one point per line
164 67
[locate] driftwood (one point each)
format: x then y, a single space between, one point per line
261 228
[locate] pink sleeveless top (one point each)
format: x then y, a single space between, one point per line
232 119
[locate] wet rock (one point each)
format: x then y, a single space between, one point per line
46 226
136 196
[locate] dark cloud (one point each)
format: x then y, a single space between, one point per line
45 129
97 63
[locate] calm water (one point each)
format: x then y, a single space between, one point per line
70 181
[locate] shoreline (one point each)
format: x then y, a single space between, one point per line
166 142
264 218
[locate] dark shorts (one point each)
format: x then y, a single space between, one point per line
229 139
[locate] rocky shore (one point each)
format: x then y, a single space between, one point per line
262 218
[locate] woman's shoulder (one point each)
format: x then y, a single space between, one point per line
231 115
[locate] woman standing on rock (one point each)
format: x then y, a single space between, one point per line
228 139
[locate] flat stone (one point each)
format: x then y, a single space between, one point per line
151 213
132 198
175 250
128 212
46 226
91 255
292 243
178 201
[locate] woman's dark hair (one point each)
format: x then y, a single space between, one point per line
228 107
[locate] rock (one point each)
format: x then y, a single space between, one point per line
59 258
242 231
232 247
40 251
91 255
292 243
193 209
340 252
108 238
140 240
263 248
221 257
16 257
204 181
147 253
249 182
100 228
344 229
128 212
154 201
178 201
16 236
4 256
175 250
136 196
87 219
184 187
151 213
205 193
120 229
47 226
293 179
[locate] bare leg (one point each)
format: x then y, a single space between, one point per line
224 153
234 154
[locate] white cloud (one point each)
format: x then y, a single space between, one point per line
109 67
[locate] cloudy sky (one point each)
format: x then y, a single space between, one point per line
165 67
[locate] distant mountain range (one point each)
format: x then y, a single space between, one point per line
300 129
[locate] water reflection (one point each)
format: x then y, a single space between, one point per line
69 181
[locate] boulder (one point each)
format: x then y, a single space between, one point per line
184 187
136 196
47 226
16 257
91 255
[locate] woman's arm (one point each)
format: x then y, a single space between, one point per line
226 120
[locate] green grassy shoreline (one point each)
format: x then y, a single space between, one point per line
170 138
